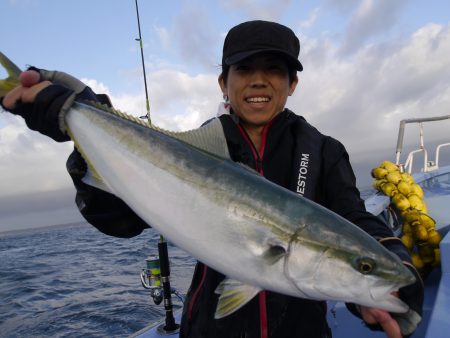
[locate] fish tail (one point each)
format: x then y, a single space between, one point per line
13 71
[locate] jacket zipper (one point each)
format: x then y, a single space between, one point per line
262 295
256 154
258 157
194 296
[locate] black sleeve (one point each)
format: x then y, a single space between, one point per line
103 210
341 194
43 114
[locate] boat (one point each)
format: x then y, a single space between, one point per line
434 178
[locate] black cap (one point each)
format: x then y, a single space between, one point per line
253 37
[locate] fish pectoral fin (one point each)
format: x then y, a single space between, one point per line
91 178
233 296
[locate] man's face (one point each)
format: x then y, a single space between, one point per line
258 88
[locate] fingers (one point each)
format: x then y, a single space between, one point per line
23 94
12 97
384 319
29 94
29 78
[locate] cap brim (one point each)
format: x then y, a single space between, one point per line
235 58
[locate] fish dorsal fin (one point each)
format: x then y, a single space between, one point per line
233 296
116 112
209 137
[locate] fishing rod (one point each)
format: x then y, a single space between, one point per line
158 269
147 102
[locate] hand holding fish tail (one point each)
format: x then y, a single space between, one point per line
26 91
43 97
39 105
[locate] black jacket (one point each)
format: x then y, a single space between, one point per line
295 156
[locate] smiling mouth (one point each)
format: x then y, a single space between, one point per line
258 99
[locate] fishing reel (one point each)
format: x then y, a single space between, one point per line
151 279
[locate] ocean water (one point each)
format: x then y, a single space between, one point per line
73 281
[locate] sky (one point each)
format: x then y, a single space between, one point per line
367 65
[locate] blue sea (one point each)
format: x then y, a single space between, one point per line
73 281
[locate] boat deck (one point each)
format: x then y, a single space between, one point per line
439 324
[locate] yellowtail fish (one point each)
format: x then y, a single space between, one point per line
260 235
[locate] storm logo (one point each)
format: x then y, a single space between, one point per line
302 172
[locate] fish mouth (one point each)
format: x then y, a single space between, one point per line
384 297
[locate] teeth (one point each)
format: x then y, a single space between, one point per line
258 99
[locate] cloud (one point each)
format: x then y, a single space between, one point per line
178 100
164 36
271 10
371 18
195 36
30 162
361 99
197 94
96 86
312 18
344 7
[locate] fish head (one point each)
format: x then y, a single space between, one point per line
363 273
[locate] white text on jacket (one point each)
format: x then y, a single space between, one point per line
302 172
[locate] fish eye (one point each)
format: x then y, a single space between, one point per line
365 265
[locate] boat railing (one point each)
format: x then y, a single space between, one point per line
438 149
428 165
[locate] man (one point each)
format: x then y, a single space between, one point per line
259 73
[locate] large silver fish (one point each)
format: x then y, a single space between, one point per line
260 235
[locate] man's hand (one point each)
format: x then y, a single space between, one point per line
40 102
383 318
30 87
43 98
